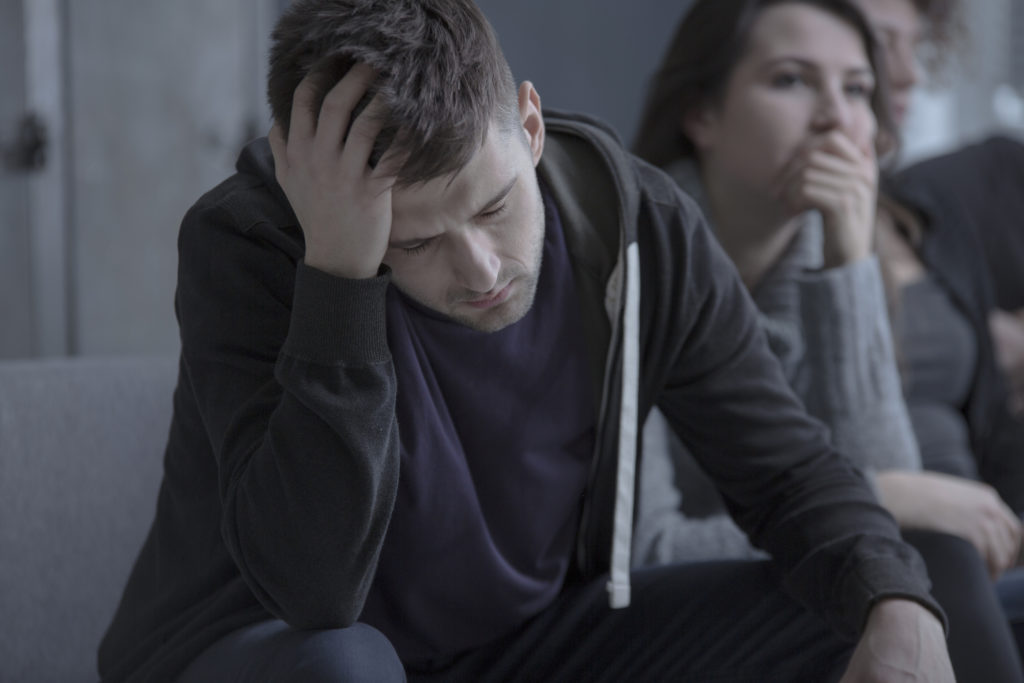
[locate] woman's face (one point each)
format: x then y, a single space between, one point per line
805 74
898 25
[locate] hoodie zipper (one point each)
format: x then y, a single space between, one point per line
585 562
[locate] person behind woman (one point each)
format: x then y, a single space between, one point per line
770 113
917 38
985 181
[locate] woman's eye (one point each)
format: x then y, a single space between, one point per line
786 80
861 90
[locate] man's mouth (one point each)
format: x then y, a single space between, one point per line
489 301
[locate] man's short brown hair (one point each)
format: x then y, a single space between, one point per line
442 74
944 32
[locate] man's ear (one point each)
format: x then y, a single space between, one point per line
699 126
531 118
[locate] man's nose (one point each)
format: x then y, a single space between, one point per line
476 264
904 66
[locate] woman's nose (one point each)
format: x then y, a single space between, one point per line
830 113
833 111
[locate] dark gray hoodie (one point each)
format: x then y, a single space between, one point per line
281 469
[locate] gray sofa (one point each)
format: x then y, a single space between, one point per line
81 449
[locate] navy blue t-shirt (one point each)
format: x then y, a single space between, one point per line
497 433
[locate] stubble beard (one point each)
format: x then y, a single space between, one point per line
515 308
509 312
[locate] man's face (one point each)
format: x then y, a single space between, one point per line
898 26
469 246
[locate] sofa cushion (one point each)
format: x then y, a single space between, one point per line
81 448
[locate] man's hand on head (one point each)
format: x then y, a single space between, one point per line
902 641
343 205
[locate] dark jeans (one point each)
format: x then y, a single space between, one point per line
1010 589
715 621
981 643
273 652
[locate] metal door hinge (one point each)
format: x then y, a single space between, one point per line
28 150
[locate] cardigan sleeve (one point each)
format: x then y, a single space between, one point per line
836 348
681 517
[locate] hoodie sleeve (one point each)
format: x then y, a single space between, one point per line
293 378
725 395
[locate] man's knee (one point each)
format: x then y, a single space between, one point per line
273 651
357 653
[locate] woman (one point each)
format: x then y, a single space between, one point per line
768 112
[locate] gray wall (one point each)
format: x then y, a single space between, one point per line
156 97
587 55
158 112
15 276
145 107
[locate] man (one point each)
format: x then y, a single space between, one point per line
412 370
983 180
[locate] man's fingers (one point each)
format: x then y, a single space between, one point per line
392 161
303 118
338 105
362 136
277 147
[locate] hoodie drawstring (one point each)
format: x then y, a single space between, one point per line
625 478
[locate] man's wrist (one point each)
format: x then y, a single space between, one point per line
339 268
902 640
895 609
338 319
